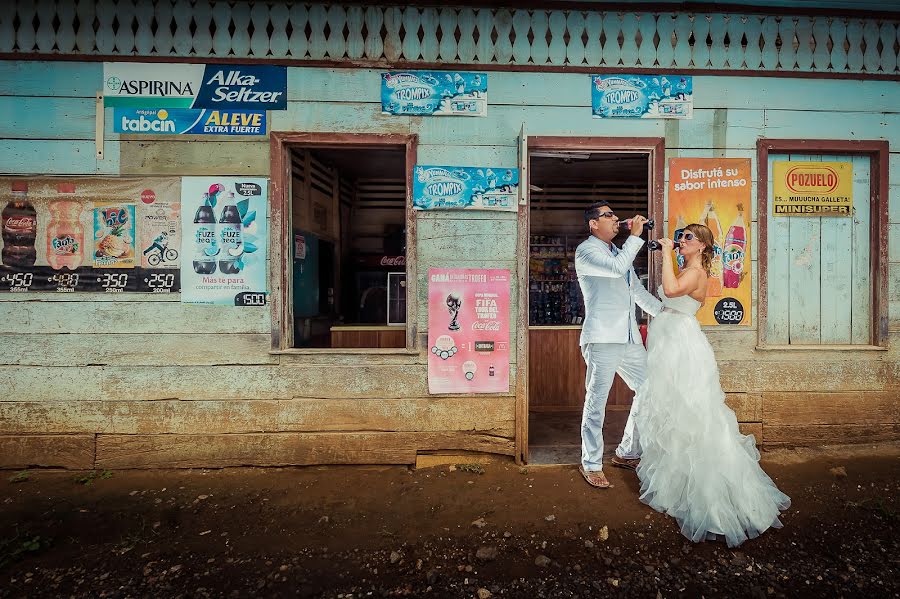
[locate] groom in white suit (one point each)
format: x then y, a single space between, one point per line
610 337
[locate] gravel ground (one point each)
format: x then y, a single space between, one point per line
452 531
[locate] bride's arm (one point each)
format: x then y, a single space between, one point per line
677 286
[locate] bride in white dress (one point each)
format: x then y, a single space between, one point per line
695 464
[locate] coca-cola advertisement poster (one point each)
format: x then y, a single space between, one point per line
716 192
224 227
468 330
79 235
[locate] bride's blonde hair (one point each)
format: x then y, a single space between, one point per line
705 236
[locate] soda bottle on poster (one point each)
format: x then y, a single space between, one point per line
231 238
679 231
19 225
65 235
205 244
714 284
735 249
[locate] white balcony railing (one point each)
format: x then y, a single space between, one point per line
489 38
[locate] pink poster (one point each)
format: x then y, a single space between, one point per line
468 330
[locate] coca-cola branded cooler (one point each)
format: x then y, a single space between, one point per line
380 289
396 299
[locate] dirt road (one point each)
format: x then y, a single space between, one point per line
438 532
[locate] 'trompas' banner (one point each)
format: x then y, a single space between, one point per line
716 192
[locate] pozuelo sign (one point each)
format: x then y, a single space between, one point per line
151 85
812 188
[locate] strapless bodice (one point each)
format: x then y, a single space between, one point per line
684 304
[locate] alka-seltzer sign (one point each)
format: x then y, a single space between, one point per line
434 93
189 121
468 330
151 85
642 96
812 188
465 187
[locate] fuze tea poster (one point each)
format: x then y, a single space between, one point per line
468 330
223 245
716 192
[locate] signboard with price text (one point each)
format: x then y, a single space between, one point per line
224 237
89 235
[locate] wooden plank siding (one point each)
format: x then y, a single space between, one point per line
186 385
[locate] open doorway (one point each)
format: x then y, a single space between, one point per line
348 246
562 183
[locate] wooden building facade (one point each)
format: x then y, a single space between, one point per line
141 380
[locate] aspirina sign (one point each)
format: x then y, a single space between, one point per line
150 85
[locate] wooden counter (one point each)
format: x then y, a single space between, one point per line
368 336
556 372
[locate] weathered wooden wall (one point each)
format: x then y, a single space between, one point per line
137 380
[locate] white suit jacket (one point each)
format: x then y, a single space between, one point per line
611 288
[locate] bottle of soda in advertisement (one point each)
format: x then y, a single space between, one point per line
714 284
735 248
231 238
205 244
65 235
19 224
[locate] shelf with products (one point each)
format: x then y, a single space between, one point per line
553 291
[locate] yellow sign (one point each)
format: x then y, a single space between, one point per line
812 188
715 192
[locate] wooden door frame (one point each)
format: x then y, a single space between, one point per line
655 149
280 228
879 186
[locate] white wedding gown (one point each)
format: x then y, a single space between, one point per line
695 464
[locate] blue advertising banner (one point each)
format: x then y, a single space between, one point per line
434 93
187 121
642 96
152 85
465 187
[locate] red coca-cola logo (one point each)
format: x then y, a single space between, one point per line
148 196
393 260
20 223
486 325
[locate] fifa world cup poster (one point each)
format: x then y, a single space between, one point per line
716 192
468 330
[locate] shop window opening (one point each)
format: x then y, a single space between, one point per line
562 185
348 215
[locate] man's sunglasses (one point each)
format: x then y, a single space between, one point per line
606 215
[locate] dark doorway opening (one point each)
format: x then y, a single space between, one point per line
562 184
348 214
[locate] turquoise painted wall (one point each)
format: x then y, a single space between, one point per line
48 128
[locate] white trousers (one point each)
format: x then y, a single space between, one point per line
603 361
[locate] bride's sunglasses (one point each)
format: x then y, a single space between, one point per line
685 237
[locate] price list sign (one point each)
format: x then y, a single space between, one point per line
86 279
90 235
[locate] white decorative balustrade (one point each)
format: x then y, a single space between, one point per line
490 38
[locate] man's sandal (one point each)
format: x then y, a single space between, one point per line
626 463
595 478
